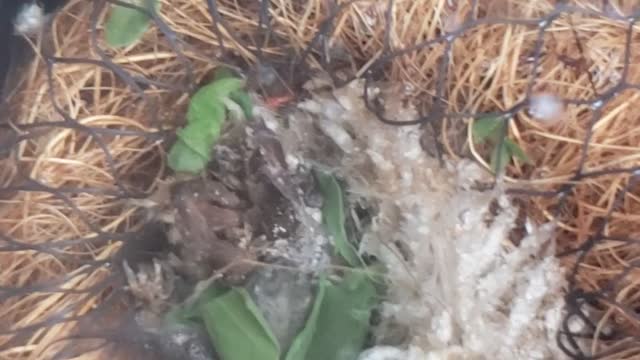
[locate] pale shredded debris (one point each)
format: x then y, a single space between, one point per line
458 287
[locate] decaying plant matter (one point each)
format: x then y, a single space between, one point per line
86 124
249 220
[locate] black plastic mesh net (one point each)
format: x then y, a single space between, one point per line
92 289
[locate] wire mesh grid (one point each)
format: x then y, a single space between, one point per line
90 289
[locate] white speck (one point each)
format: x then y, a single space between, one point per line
278 229
442 327
338 134
270 121
597 105
180 338
316 214
380 160
576 325
542 23
292 161
424 230
545 107
409 88
30 19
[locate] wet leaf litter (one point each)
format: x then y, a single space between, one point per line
259 256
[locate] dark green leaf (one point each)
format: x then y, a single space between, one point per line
489 127
516 151
237 328
126 25
302 342
257 313
333 218
343 319
500 157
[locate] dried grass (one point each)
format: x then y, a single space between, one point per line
488 71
